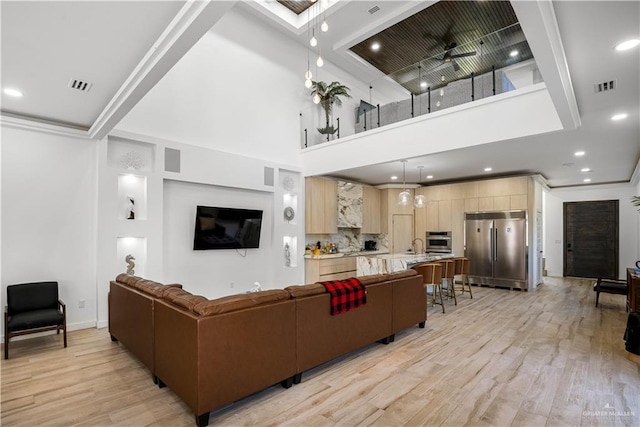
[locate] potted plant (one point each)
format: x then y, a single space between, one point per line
327 96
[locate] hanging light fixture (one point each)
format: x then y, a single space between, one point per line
419 201
319 61
316 99
314 41
404 197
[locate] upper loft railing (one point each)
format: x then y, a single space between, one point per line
499 62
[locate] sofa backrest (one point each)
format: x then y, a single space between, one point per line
148 287
31 296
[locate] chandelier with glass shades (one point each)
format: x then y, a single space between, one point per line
404 197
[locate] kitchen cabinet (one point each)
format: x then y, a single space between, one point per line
371 222
322 269
433 213
321 206
444 215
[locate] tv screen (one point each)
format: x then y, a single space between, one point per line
227 228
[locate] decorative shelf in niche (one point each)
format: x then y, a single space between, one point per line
129 155
290 205
132 197
131 254
290 249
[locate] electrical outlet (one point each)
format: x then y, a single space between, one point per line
81 303
231 285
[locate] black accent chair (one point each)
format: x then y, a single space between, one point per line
610 286
33 307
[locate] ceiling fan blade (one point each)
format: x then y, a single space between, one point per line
455 65
463 55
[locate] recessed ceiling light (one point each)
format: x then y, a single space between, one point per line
629 44
429 176
578 153
13 92
585 170
375 46
620 116
586 180
513 53
423 84
488 169
394 177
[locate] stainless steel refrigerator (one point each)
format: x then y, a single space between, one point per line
496 245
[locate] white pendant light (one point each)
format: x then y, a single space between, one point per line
316 99
307 83
404 197
319 62
314 41
324 27
308 74
420 201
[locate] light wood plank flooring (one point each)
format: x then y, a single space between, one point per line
547 357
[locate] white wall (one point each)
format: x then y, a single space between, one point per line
211 272
553 219
49 216
240 89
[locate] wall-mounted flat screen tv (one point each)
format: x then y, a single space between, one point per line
227 228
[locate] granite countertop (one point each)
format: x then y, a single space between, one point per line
348 254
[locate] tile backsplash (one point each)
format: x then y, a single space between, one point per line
349 240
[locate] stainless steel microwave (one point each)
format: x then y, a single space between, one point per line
438 241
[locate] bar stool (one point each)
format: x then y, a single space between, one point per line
432 279
462 271
448 274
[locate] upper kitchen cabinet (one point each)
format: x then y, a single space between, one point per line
371 223
321 206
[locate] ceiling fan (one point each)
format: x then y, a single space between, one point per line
449 45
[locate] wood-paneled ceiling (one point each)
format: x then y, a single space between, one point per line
434 37
297 7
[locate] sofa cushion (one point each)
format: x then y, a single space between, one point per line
148 287
401 274
298 291
182 298
239 302
373 278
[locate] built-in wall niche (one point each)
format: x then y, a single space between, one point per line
131 255
290 205
290 250
125 154
132 197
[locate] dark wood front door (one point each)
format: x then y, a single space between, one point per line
591 239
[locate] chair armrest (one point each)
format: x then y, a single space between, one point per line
62 305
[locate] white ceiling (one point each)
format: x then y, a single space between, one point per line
125 47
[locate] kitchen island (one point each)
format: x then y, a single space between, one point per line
389 263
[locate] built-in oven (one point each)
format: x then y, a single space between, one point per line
438 241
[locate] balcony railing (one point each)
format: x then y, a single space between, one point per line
501 62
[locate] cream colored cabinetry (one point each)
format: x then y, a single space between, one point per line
321 206
318 269
446 204
371 211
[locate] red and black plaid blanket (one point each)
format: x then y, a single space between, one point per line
345 294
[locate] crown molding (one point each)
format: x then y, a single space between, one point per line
37 126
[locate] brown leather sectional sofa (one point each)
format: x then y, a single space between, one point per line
214 352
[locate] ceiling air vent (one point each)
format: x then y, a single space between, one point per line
80 85
374 9
606 86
